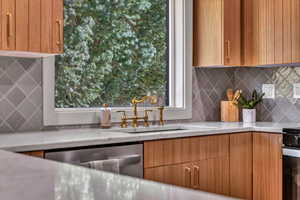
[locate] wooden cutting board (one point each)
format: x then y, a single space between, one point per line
229 112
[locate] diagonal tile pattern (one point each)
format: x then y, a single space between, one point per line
212 85
209 85
20 94
284 108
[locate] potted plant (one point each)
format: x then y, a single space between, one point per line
248 106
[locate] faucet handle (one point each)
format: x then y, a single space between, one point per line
161 115
124 123
146 118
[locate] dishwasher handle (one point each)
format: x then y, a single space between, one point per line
128 160
123 160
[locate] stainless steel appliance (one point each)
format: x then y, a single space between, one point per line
130 157
291 164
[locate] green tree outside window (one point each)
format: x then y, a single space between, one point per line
114 50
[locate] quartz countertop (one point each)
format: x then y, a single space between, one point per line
28 178
67 138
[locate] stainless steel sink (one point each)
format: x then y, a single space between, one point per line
170 128
153 129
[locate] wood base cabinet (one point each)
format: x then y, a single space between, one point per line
31 26
211 175
198 162
267 166
217 32
242 165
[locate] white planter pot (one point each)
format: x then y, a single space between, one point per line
249 115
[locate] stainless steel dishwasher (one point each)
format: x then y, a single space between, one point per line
130 157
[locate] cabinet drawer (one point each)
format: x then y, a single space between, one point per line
175 151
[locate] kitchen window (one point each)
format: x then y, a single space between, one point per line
117 50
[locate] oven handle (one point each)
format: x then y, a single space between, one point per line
291 152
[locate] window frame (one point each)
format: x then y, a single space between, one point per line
180 77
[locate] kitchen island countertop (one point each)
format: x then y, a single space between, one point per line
29 178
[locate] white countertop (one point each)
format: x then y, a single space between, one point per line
67 138
28 178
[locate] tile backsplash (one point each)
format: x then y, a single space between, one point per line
21 92
284 108
208 82
208 90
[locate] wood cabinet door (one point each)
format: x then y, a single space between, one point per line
217 32
183 150
32 25
232 32
241 165
295 27
271 32
57 26
46 26
179 175
22 25
8 20
34 30
208 32
28 25
267 166
212 175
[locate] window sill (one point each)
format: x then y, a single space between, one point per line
92 116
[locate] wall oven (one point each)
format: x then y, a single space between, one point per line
291 164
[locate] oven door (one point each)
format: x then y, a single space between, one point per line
291 174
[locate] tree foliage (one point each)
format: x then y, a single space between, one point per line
114 50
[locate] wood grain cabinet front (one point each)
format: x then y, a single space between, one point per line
243 165
176 151
267 166
271 32
32 26
198 162
211 175
179 175
217 32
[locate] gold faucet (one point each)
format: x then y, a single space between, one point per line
135 119
161 115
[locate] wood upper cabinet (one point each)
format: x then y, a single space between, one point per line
271 32
32 25
8 24
241 165
267 166
58 29
217 32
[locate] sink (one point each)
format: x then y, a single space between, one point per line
153 129
172 128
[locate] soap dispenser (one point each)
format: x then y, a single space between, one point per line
105 116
